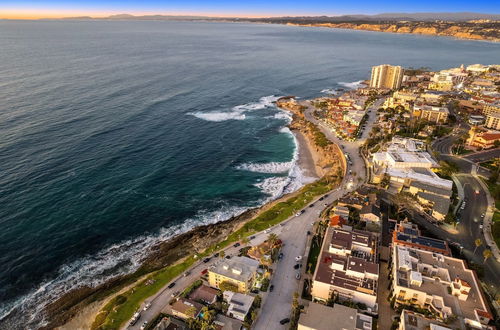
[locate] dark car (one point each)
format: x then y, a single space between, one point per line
216 255
311 205
236 244
171 285
308 232
271 288
252 237
297 266
206 260
285 321
228 257
302 211
321 198
326 195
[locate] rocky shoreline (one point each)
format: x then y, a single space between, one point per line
78 308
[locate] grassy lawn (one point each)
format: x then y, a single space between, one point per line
312 258
120 310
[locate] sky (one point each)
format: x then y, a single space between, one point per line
29 9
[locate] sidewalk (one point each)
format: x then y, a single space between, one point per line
488 217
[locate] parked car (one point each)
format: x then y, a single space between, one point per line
252 237
135 318
236 244
321 198
227 257
206 260
308 232
296 266
271 288
284 321
144 325
297 276
297 214
146 307
481 226
203 272
326 196
280 256
216 255
187 273
171 285
298 258
482 215
175 294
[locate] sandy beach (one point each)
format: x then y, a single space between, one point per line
307 159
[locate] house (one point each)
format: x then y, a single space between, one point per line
370 213
186 308
239 304
441 284
240 271
171 323
337 221
205 294
338 317
223 322
342 211
263 252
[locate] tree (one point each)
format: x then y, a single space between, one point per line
245 240
222 254
478 242
487 254
272 238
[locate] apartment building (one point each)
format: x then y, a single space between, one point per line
347 268
439 283
493 121
338 317
414 321
386 76
433 114
238 304
239 271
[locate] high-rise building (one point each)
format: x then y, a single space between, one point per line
386 76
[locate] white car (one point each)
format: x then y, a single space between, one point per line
144 325
299 258
146 307
481 226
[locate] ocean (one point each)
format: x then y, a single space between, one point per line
117 135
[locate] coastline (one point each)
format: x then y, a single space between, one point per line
79 308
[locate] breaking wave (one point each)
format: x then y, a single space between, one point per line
237 112
352 85
118 259
332 91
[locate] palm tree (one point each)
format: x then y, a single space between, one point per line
486 254
272 238
478 242
222 254
245 240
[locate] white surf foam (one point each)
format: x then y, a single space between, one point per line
237 112
117 259
352 85
271 167
330 91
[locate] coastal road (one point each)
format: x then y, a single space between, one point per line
277 305
468 230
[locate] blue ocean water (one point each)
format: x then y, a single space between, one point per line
117 135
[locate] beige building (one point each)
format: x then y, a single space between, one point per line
347 268
493 121
491 109
386 76
401 98
439 283
431 113
338 317
239 271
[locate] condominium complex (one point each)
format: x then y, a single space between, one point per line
386 76
408 234
430 113
414 321
347 268
493 121
441 284
239 271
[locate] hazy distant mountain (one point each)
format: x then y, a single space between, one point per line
462 16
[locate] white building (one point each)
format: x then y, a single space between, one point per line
239 304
